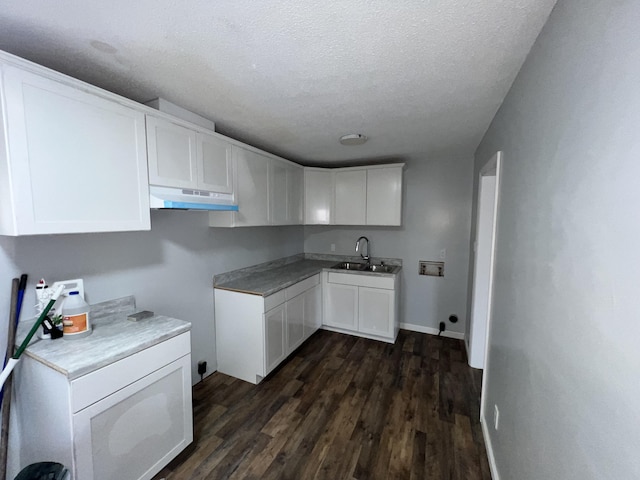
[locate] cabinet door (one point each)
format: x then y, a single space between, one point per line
351 197
295 322
318 196
252 170
341 306
172 154
384 196
312 310
76 161
215 163
295 199
278 190
274 333
136 431
376 311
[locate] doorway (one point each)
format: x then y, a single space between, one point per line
484 257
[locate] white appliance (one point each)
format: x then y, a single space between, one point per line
190 199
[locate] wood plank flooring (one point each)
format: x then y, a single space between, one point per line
343 407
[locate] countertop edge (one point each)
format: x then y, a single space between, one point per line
127 353
281 286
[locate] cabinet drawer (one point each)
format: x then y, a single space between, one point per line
300 287
95 386
274 300
362 280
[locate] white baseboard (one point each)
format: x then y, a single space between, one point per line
489 447
431 331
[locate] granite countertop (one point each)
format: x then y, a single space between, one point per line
271 277
113 338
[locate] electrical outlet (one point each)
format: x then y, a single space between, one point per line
443 254
496 416
333 247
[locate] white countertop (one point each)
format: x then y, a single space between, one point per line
113 338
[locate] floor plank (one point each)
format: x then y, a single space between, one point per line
343 407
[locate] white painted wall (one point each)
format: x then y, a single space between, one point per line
169 269
564 354
436 215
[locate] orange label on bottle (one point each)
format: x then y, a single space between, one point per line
74 324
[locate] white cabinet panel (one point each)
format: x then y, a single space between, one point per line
126 420
278 191
252 170
295 322
361 304
295 195
172 154
255 334
136 431
71 161
312 310
215 163
351 197
375 311
275 346
318 196
341 306
384 196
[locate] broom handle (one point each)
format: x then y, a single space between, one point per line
6 406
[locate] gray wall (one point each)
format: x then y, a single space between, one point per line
436 216
564 359
169 269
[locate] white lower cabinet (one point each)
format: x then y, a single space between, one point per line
295 322
312 310
362 304
254 334
274 333
341 306
127 420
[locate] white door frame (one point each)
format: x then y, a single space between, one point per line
479 346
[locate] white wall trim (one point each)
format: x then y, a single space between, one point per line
431 331
489 448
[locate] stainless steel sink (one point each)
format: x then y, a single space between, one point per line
379 268
350 266
363 267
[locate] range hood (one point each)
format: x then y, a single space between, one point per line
190 199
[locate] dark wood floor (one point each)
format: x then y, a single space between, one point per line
343 407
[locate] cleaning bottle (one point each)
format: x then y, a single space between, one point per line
75 317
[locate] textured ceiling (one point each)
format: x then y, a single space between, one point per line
418 77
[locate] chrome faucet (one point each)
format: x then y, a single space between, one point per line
364 257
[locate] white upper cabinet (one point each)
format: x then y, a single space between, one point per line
251 191
72 158
172 154
384 196
286 192
278 192
351 197
318 196
215 163
252 169
295 192
354 195
182 157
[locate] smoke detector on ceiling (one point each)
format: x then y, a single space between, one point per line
353 139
